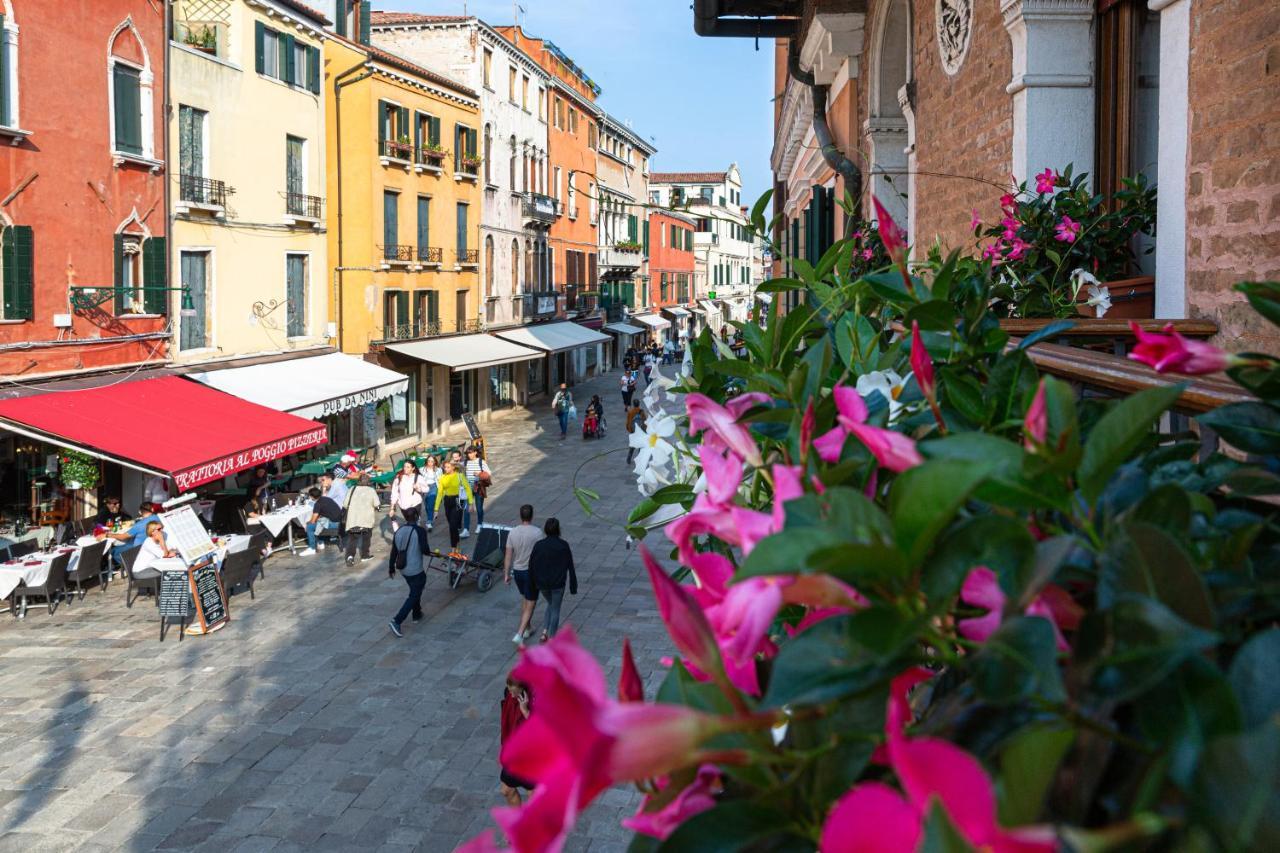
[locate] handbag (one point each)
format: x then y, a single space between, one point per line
573 413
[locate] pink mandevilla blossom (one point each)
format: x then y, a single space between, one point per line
891 235
683 617
892 450
1010 226
974 219
706 414
1170 352
1017 249
1067 230
982 589
1035 425
723 473
1045 181
696 798
1008 203
921 363
630 685
868 254
993 252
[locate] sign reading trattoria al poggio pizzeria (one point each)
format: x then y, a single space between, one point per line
205 472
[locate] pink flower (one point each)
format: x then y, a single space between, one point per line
697 797
1169 352
892 450
974 219
1008 203
630 685
868 254
1017 249
739 405
723 473
706 414
705 517
892 236
992 252
982 589
1010 226
684 619
807 421
1067 230
1035 425
742 621
921 364
1045 181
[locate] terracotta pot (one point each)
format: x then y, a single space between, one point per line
1131 299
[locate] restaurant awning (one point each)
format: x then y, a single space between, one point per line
676 311
553 337
625 329
166 425
709 306
652 320
308 387
466 352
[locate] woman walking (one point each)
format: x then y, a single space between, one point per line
452 491
406 494
550 564
562 404
478 478
362 506
429 478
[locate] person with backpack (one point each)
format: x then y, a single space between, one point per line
361 514
479 477
407 549
562 404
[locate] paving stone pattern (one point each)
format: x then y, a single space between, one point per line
305 724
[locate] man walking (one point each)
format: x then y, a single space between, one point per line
561 404
407 548
520 542
635 420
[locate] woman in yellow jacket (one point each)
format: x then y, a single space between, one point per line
449 491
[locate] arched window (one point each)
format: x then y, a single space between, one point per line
889 140
488 264
515 266
131 82
488 154
513 162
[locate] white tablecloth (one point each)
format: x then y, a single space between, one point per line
13 573
39 534
279 519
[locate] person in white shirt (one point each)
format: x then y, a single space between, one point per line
428 480
405 493
474 467
152 551
156 490
626 389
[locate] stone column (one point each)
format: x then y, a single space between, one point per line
1171 162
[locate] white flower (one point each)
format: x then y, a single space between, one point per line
650 480
889 385
1100 299
658 395
652 445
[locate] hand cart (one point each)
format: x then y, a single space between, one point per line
485 560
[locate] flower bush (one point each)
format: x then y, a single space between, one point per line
1048 233
77 467
989 617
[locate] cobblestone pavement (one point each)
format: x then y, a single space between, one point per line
305 723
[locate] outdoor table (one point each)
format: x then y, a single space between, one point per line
33 569
40 534
282 520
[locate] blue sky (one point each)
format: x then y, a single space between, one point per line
705 102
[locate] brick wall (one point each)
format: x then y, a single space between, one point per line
1233 165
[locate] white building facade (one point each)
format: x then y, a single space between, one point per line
622 166
517 209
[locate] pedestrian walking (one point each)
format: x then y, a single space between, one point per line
406 493
648 368
407 548
520 542
453 491
668 351
635 420
361 507
515 707
430 477
550 565
625 387
562 404
479 478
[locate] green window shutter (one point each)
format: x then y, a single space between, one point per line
155 274
434 130
18 249
403 121
341 14
289 73
259 51
382 125
417 133
313 70
631 227
646 236
118 266
128 109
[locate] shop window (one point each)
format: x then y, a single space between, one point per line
537 379
502 391
462 393
399 413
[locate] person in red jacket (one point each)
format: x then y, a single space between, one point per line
515 710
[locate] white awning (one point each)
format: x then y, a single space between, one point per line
466 352
709 306
310 387
652 320
676 312
625 328
766 298
553 337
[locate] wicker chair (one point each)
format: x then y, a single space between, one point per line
238 570
88 568
52 590
22 549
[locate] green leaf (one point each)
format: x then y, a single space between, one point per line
1238 788
888 286
1264 296
1183 712
757 209
857 515
1049 331
821 665
1012 382
1000 543
1019 662
940 834
1028 764
936 315
923 501
1118 433
1251 427
643 510
1147 560
730 827
1253 482
1255 677
962 391
1134 644
788 552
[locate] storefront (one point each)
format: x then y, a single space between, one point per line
625 336
679 324
564 345
655 325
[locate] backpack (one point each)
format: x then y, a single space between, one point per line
400 558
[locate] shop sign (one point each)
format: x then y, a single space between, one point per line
230 464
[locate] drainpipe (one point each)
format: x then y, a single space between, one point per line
844 167
338 84
169 248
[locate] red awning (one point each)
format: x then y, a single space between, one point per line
167 425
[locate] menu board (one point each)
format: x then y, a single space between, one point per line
184 532
470 421
209 596
175 594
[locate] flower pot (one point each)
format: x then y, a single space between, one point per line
72 485
1131 299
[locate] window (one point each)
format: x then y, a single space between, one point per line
573 197
295 175
555 188
17 261
191 154
592 141
542 103
426 312
524 93
426 138
559 113
488 154
424 228
140 263
514 149
1128 82
511 81
488 68
9 76
515 267
296 295
126 93
462 229
464 149
462 392
395 315
194 269
393 131
662 288
460 308
488 266
282 57
573 121
390 224
400 413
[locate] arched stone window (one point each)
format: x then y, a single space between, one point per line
130 82
515 266
488 154
889 126
513 163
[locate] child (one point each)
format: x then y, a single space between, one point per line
515 710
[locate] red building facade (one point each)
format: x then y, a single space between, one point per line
671 259
82 186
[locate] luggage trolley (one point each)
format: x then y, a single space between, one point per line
490 550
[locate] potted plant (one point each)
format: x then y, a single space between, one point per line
77 470
431 153
627 246
471 162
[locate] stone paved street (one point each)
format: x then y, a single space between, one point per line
305 724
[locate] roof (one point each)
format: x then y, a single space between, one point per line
688 177
391 19
304 9
388 58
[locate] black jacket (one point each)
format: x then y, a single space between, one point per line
549 563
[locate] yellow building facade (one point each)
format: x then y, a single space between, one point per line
247 181
403 223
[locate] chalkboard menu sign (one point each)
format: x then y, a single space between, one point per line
472 429
175 594
209 596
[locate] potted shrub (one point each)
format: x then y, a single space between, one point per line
77 470
471 162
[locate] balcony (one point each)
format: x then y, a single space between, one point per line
429 159
705 238
625 259
467 257
539 209
430 255
394 254
584 302
395 153
432 328
537 305
301 208
467 168
197 193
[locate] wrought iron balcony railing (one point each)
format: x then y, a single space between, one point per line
300 204
468 257
430 254
198 190
395 150
398 253
430 328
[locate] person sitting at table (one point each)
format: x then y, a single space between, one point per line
335 489
137 534
111 513
325 513
154 549
260 484
254 508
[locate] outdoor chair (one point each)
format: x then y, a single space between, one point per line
151 585
52 590
257 542
89 567
22 549
238 570
228 516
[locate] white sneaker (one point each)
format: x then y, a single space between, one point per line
518 639
464 534
319 546
306 552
